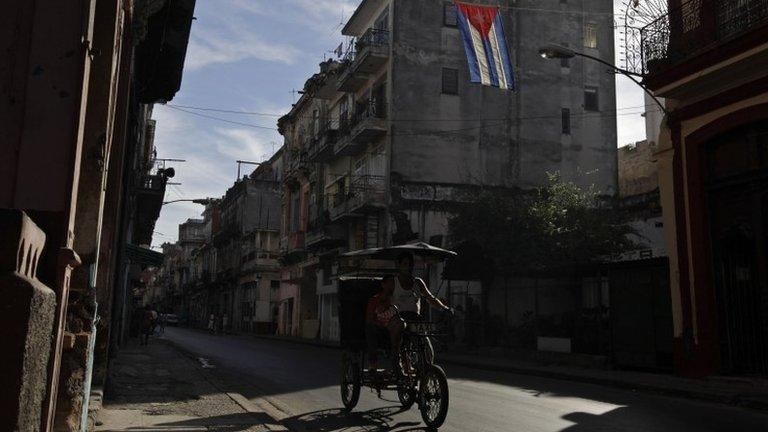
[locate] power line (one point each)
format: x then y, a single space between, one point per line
221 119
504 121
413 120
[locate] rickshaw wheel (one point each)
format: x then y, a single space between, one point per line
433 394
350 382
407 397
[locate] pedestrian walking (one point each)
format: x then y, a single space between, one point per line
147 324
211 323
161 323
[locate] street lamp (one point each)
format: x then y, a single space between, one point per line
554 51
202 201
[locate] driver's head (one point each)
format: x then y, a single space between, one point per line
405 263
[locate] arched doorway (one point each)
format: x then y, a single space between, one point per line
736 190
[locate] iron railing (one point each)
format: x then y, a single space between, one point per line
370 108
695 26
372 37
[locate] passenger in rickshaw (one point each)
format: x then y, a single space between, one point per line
405 292
378 313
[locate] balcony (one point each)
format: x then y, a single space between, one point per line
368 124
321 232
292 243
321 148
371 53
260 261
149 200
701 33
366 193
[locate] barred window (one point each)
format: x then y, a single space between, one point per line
590 35
450 81
591 100
449 15
566 119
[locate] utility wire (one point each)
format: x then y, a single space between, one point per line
503 122
221 119
414 120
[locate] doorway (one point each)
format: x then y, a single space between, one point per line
737 197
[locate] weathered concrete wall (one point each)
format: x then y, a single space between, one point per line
520 138
26 323
638 172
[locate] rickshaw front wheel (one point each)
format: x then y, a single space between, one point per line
407 397
433 396
350 382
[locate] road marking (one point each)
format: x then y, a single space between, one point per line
206 363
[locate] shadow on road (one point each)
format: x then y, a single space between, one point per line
223 423
375 420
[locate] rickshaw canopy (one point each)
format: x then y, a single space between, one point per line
420 249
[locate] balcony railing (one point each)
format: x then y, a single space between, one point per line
364 192
370 54
366 124
374 108
694 27
321 147
372 38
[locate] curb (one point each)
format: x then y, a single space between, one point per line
265 407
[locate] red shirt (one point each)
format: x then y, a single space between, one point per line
375 311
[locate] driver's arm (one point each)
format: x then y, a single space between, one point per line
428 296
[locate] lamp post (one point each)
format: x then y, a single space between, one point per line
202 201
554 51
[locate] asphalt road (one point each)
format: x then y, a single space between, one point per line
301 381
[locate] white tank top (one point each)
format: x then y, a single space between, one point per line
405 300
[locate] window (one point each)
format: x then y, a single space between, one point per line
590 35
566 119
565 62
591 102
295 212
450 81
274 284
449 15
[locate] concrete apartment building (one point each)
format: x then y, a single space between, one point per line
385 139
246 247
226 264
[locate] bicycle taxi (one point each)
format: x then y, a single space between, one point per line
424 382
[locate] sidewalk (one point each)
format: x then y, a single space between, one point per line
159 388
734 391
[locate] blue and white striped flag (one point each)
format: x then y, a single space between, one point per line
486 47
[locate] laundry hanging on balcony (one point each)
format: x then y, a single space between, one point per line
486 47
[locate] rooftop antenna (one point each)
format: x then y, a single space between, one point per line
162 161
240 162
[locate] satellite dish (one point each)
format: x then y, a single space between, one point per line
168 172
636 14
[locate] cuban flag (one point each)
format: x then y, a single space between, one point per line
485 45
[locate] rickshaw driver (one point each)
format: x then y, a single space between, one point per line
407 291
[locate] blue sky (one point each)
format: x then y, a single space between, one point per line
247 55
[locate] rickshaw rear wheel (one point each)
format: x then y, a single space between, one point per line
433 396
350 382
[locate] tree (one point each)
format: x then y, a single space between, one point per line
553 227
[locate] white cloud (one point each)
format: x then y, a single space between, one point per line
229 41
244 144
318 15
